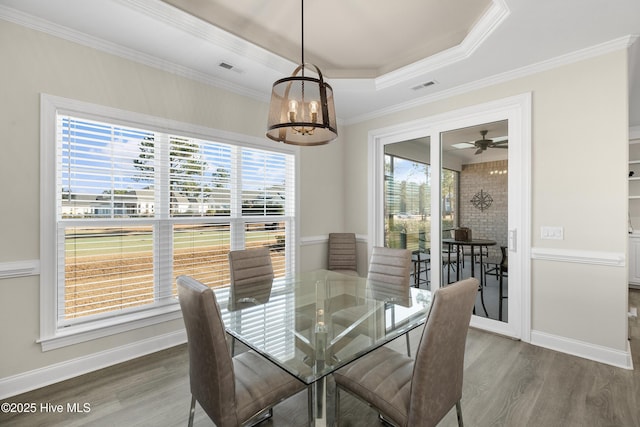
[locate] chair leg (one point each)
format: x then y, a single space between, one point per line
459 413
336 406
310 404
500 297
192 410
408 344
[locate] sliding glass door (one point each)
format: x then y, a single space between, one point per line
475 243
456 189
407 202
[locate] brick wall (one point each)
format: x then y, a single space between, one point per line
491 223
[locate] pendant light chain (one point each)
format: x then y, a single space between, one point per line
302 45
302 35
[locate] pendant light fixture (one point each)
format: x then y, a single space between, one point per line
301 111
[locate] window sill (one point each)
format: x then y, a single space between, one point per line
76 334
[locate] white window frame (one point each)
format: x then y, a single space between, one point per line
52 335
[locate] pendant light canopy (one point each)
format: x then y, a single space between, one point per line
301 111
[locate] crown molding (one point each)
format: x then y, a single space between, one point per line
176 18
38 24
491 20
198 28
559 61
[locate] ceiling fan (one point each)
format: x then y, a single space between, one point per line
484 143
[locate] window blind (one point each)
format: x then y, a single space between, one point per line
138 207
279 312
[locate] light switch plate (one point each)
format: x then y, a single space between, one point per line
552 233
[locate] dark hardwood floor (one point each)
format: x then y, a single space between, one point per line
506 383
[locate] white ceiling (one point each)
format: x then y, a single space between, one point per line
346 39
373 52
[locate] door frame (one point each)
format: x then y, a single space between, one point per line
515 109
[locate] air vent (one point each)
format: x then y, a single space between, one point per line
423 85
230 67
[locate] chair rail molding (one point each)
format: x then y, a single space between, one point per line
324 239
612 259
19 268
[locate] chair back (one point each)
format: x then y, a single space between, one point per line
504 264
422 241
250 266
342 252
251 277
439 362
391 266
211 372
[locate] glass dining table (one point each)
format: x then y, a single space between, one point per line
312 323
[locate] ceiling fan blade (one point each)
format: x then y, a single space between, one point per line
479 150
501 146
463 145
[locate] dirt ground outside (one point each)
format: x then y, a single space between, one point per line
111 282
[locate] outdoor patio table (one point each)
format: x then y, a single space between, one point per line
472 243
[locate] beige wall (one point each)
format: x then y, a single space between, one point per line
322 194
579 161
36 63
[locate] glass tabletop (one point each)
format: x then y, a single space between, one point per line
313 323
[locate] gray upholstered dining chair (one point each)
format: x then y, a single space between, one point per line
252 275
249 267
392 267
389 275
342 253
251 272
418 393
232 391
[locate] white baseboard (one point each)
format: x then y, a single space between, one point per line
31 380
609 356
37 378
